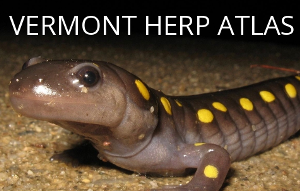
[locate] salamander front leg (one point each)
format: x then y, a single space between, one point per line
212 163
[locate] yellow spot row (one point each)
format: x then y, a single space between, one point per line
167 106
146 95
205 115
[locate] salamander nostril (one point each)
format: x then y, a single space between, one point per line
32 61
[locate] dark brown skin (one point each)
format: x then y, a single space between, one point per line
143 130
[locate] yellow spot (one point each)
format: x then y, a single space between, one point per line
290 90
143 90
226 147
151 109
178 103
106 143
84 90
297 77
199 144
219 106
267 96
165 102
205 116
211 171
141 136
246 104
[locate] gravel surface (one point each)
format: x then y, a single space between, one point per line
177 66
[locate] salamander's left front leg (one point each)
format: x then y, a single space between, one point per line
212 163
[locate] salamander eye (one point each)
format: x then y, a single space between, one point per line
88 76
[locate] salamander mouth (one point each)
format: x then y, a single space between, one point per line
33 107
51 109
45 100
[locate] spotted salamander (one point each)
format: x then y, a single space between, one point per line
143 130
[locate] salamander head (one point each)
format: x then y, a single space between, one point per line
97 100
